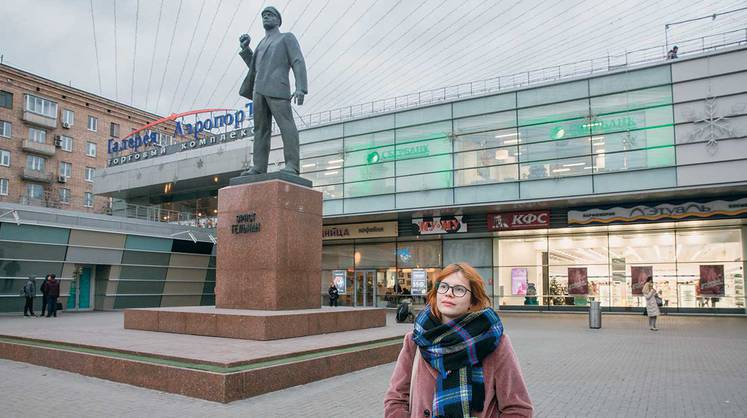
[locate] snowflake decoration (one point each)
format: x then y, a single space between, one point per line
200 163
711 127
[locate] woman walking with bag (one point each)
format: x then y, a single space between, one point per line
652 303
457 362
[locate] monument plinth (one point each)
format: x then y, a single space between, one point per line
268 272
270 247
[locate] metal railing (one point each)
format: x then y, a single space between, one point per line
526 78
156 214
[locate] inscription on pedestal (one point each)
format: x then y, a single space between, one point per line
245 223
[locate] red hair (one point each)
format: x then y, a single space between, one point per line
478 294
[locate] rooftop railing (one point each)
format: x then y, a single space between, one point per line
527 78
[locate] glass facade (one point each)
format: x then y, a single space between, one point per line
577 134
609 260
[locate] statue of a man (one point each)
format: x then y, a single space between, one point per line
267 85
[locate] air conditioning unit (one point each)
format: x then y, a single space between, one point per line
61 179
58 142
65 125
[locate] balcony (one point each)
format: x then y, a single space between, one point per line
37 148
36 175
40 120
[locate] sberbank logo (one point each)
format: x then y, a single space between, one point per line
400 153
598 125
373 157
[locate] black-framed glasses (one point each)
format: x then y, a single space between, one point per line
457 291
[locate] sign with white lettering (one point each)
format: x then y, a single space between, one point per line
357 231
663 211
518 220
440 225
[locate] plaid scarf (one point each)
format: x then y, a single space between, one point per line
456 350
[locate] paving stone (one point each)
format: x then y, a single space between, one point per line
693 367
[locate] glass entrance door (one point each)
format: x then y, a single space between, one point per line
365 287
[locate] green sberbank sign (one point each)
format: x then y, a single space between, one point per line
398 154
595 126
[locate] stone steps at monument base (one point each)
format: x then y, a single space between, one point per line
202 379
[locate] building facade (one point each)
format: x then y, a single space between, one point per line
53 141
557 194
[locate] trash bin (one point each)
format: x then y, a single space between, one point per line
595 314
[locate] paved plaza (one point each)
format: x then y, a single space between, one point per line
693 367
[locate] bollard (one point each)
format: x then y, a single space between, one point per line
595 315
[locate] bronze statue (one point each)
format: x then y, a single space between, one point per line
268 86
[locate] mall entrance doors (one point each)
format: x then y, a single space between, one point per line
365 288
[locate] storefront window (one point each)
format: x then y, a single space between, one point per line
419 254
633 257
709 268
521 275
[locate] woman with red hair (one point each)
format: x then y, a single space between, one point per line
457 362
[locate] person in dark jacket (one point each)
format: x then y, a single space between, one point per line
45 293
333 294
53 292
29 291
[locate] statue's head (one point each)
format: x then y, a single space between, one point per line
271 18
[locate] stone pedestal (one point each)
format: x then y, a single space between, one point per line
269 246
269 269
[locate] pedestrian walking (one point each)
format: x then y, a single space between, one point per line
333 294
29 292
44 288
53 292
653 302
457 362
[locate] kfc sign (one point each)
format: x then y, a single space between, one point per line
518 220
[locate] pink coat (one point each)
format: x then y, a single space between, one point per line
505 391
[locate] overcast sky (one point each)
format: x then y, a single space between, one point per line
182 54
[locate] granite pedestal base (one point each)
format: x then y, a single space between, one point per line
252 324
216 369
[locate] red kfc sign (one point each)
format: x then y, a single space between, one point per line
518 220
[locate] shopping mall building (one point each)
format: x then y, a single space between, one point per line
556 192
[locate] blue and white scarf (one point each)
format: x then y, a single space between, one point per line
456 350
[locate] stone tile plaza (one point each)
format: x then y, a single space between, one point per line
571 371
368 208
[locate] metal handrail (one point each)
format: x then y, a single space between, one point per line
526 78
